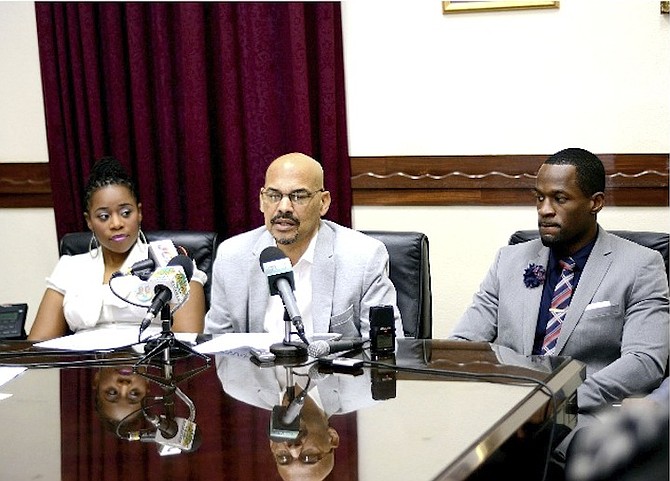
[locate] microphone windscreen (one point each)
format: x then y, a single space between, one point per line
318 348
270 254
185 262
276 265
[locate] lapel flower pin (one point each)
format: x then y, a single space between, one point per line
534 275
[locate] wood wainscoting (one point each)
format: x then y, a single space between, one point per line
25 185
632 180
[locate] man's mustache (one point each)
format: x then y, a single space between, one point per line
286 216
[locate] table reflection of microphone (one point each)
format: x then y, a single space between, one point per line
285 420
172 434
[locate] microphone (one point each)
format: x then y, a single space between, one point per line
294 408
170 285
324 348
137 269
173 434
161 252
180 433
277 267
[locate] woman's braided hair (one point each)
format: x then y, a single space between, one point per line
107 171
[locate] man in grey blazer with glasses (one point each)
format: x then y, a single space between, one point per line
578 291
339 272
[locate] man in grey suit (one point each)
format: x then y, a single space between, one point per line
339 273
616 317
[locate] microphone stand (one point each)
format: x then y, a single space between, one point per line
288 348
167 344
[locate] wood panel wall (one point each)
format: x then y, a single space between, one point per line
632 180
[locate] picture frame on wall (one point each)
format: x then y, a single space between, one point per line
469 7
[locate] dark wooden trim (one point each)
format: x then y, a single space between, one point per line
632 179
25 185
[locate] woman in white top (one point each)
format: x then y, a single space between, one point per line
78 295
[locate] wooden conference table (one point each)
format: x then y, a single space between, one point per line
435 409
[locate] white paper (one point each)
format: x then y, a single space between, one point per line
106 338
226 342
9 373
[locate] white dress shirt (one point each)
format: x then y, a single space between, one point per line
302 274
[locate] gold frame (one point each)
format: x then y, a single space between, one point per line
467 7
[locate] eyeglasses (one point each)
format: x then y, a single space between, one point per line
284 458
297 197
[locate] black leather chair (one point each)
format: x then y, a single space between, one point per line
200 245
654 240
410 273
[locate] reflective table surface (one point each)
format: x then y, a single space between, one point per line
433 409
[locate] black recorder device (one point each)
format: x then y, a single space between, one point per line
382 330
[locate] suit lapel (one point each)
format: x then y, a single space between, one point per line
323 278
259 291
596 267
530 299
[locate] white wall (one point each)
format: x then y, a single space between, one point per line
28 248
592 74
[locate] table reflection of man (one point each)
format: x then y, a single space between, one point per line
311 455
118 396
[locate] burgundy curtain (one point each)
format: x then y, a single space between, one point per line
195 99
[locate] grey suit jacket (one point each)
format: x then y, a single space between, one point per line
616 324
349 276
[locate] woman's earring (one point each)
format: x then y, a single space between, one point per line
93 246
143 239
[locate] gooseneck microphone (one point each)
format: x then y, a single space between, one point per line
170 285
277 267
324 348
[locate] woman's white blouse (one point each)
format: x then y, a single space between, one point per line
88 303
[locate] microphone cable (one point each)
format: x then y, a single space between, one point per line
111 288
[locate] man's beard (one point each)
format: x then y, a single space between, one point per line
285 242
550 241
290 240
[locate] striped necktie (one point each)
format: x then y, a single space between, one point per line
559 305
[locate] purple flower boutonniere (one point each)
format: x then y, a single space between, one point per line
534 275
